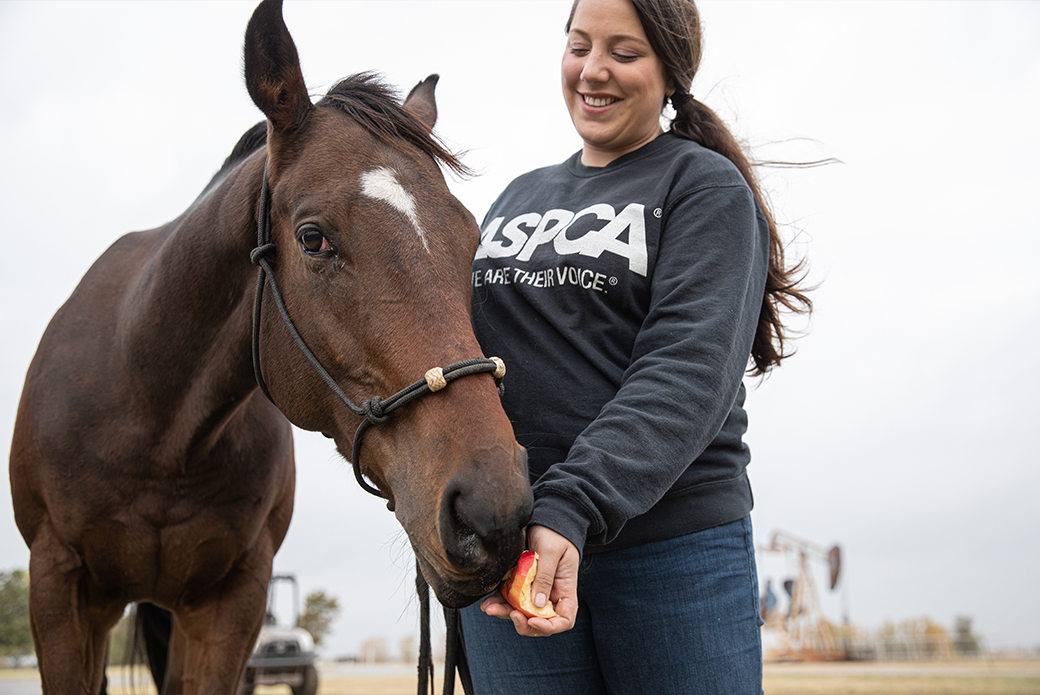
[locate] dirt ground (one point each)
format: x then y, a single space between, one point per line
947 678
933 678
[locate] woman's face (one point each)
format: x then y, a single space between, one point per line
613 82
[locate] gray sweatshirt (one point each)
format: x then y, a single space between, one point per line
624 301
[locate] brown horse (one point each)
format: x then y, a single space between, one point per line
146 465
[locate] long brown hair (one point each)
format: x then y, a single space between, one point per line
673 28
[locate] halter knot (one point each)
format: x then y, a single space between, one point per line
500 368
261 252
373 410
435 379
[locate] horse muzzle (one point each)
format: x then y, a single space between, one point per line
482 531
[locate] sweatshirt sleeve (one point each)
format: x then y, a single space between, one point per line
687 365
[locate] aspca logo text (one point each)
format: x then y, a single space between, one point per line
623 234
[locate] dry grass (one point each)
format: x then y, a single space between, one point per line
939 678
1012 678
972 678
917 685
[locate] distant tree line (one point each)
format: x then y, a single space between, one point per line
914 639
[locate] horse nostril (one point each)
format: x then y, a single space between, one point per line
462 526
480 527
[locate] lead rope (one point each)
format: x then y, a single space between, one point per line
375 411
455 654
454 646
425 656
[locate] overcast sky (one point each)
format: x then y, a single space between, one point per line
905 429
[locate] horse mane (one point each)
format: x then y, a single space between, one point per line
376 106
251 141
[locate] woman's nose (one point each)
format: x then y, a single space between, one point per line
595 70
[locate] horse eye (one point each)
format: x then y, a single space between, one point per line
313 241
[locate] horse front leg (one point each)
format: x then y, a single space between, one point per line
213 639
70 626
173 682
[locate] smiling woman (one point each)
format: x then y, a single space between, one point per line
614 83
628 388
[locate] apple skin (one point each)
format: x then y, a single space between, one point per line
517 588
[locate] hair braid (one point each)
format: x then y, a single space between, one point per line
673 28
695 121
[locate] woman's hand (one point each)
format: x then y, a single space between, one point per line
556 581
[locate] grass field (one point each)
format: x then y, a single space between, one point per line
933 678
948 678
968 678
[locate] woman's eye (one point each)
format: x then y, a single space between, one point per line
313 241
624 58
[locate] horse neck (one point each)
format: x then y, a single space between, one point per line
188 321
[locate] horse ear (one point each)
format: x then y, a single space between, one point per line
272 67
420 101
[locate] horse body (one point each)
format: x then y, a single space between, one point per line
145 463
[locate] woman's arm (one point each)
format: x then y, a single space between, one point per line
688 362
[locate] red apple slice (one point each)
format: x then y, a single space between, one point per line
517 588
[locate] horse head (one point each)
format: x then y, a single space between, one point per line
373 259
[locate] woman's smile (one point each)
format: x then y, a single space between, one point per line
598 101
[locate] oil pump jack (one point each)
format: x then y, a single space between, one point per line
802 632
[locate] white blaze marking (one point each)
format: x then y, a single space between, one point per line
381 184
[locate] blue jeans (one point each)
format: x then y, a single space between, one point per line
678 616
